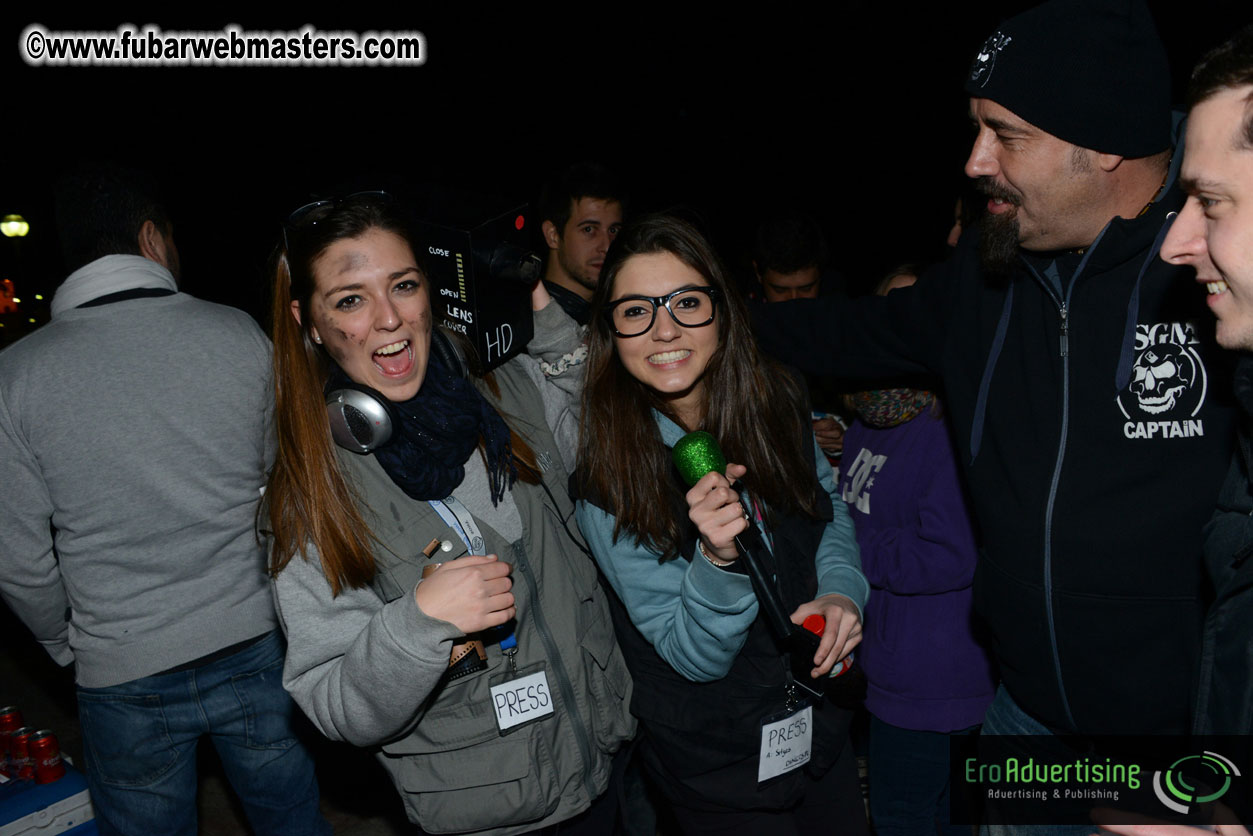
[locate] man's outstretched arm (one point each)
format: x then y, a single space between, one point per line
902 333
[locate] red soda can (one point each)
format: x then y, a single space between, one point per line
842 667
815 624
10 721
46 753
23 768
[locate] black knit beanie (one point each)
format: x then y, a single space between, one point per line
1091 72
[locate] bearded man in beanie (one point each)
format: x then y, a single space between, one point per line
1080 372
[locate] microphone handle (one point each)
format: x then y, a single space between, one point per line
801 644
749 544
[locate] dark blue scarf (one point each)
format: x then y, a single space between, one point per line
438 431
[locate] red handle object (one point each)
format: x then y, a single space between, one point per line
816 624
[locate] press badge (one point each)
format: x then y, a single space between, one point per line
786 742
521 697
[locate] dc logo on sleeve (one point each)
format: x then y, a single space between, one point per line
1168 383
861 475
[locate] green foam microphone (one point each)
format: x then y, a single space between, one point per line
694 455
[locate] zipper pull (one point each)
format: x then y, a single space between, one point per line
1065 346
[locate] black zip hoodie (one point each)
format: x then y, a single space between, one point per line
1094 422
1225 704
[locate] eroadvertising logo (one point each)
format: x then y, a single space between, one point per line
1083 778
1168 383
1194 779
1062 779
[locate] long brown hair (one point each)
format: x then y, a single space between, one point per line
751 405
308 500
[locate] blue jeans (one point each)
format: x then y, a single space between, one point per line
909 781
1005 717
140 742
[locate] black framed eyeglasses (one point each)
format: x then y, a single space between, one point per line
690 307
307 216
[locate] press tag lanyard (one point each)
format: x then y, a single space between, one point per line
456 517
519 698
794 698
760 520
786 737
509 647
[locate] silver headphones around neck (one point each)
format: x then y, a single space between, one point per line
363 419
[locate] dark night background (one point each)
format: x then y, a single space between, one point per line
853 111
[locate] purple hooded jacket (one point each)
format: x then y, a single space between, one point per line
925 669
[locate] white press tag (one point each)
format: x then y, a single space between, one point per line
518 701
785 743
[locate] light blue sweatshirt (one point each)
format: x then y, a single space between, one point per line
696 615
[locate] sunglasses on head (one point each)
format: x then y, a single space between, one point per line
307 217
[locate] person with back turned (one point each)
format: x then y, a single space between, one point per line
136 436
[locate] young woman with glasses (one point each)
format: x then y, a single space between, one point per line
726 734
437 605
